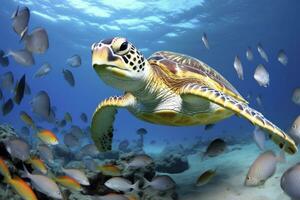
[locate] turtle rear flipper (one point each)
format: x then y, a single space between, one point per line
242 109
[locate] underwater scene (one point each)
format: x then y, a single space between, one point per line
149 100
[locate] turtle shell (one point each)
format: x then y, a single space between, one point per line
177 63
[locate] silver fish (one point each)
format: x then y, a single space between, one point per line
7 107
41 104
23 57
74 61
295 130
205 41
296 96
43 70
44 185
20 20
78 175
290 182
37 41
262 76
282 57
238 67
139 161
3 60
70 140
259 138
249 54
161 183
83 117
7 81
263 168
121 184
18 148
262 52
45 153
20 90
68 76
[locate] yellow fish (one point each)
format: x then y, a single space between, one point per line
68 182
47 137
205 177
22 188
110 170
27 119
4 169
37 164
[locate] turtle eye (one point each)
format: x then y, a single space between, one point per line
123 48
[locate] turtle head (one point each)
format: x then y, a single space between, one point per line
119 64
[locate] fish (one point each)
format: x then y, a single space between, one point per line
20 20
52 116
111 197
206 177
41 104
84 117
296 96
110 170
37 164
47 137
20 89
27 119
139 161
88 150
3 60
68 76
161 183
22 57
215 148
7 107
205 41
43 70
238 67
22 188
262 52
18 148
263 168
44 184
7 80
249 54
121 184
282 57
78 175
68 117
45 153
262 76
74 61
37 41
295 130
76 131
259 138
27 89
290 182
68 182
4 171
70 140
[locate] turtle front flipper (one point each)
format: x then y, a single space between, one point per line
103 119
241 109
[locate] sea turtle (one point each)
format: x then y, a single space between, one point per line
167 88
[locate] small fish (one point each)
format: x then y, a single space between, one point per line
262 52
7 81
111 197
77 175
76 131
20 20
110 170
41 104
18 148
139 161
37 41
43 70
69 77
37 164
23 57
282 57
88 150
296 96
47 137
20 90
3 60
215 148
84 117
22 188
68 117
44 185
70 140
262 76
206 177
45 153
263 168
27 119
4 169
121 184
259 138
249 54
74 61
290 182
7 107
238 67
161 183
295 130
205 41
68 182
